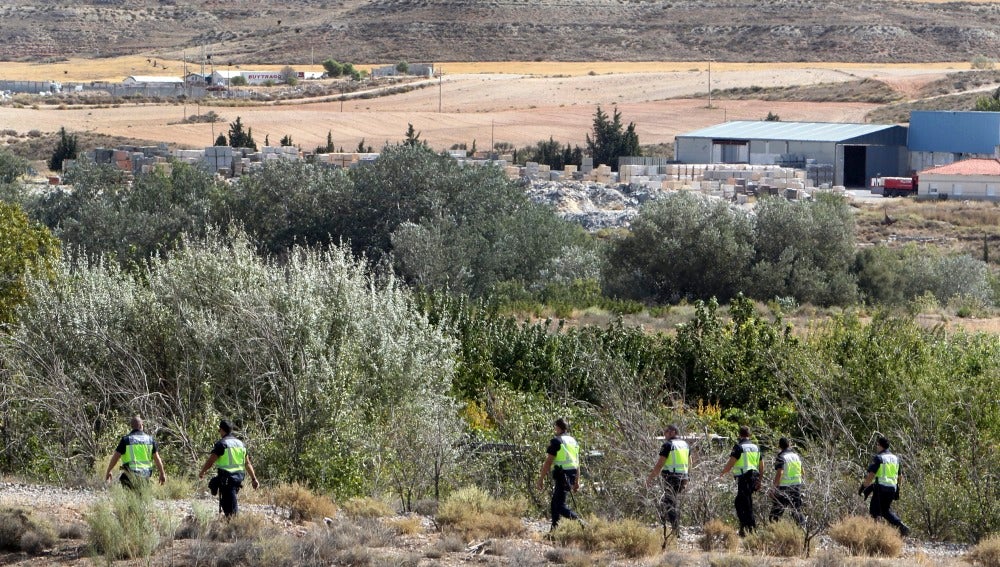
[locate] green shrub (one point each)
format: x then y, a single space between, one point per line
126 525
782 539
20 531
862 535
986 553
719 535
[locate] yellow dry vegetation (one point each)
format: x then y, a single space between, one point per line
115 69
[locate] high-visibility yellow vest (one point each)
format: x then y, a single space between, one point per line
234 457
677 460
138 455
749 460
792 473
888 471
568 457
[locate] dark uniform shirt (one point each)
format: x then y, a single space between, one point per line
738 449
779 461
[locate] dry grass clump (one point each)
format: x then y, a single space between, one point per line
302 503
986 553
242 526
570 556
366 508
864 536
410 525
475 514
126 525
737 561
781 539
718 535
175 488
628 537
449 543
20 531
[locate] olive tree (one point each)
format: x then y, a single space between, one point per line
682 246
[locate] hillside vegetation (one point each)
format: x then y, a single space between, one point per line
372 334
388 31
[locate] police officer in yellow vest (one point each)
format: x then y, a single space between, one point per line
744 462
786 489
137 452
673 466
884 471
232 463
563 458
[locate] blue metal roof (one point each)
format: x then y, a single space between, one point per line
954 131
792 131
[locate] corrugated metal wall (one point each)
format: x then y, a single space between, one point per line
954 132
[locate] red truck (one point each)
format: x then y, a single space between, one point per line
894 186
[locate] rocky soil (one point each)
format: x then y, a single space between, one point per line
388 31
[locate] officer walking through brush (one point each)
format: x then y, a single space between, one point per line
673 466
230 458
563 458
884 471
744 462
137 452
787 486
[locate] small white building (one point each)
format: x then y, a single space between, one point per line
196 79
225 78
973 179
152 80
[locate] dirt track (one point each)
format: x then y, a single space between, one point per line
520 109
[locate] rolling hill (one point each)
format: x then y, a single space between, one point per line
388 31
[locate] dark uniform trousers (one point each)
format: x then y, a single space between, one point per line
673 484
228 485
564 480
746 484
882 498
787 497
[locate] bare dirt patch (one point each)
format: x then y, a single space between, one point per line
542 101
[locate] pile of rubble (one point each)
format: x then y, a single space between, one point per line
593 205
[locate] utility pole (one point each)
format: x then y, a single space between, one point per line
440 77
710 83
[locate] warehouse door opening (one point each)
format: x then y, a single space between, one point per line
730 151
855 164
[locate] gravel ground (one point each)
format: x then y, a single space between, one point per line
68 506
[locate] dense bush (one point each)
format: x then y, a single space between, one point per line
804 250
304 356
103 214
27 250
682 246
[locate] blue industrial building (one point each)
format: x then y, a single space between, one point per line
941 137
857 152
